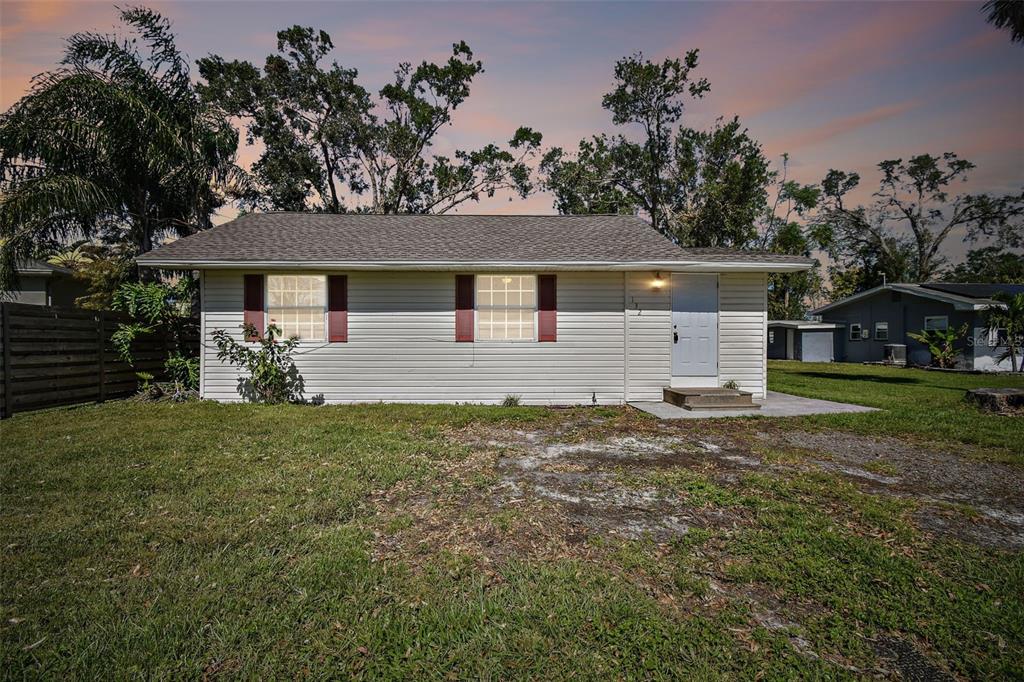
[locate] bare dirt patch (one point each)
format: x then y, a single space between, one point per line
572 487
532 495
578 464
581 469
973 500
582 478
458 515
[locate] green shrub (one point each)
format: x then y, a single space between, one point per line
511 400
941 344
183 371
272 375
164 310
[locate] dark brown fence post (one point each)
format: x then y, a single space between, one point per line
101 327
5 321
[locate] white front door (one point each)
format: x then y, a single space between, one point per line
694 325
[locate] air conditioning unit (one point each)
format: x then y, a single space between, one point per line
895 354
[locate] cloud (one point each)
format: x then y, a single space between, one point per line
32 36
385 35
842 126
19 18
769 56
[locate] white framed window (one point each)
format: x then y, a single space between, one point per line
506 307
881 331
297 304
771 336
936 322
855 332
997 337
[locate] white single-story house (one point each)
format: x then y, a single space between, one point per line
465 308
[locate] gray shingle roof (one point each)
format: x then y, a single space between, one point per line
363 238
32 266
975 290
933 290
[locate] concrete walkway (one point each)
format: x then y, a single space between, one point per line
776 405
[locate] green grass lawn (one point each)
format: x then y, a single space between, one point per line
915 403
161 540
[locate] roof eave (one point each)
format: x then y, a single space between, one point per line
791 324
958 302
668 266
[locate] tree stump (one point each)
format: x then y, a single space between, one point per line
1001 400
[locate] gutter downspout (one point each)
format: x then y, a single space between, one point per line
625 338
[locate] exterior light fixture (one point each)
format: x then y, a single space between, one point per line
658 282
506 280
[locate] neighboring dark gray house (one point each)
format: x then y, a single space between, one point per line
40 283
803 340
886 314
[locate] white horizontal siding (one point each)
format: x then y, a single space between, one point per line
649 336
742 325
402 345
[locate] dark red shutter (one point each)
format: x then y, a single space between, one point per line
254 313
337 308
463 307
547 308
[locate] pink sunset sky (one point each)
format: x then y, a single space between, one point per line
834 84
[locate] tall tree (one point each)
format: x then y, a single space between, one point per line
702 188
328 143
903 232
783 229
650 96
114 143
586 182
718 186
990 264
713 187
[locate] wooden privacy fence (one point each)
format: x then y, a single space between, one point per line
59 357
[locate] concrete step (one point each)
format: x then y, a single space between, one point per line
710 398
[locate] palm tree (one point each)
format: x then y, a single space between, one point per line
113 144
74 259
1008 14
1008 315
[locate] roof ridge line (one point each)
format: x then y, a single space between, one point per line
449 215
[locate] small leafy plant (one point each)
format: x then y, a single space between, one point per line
941 343
730 384
165 310
272 375
182 370
511 400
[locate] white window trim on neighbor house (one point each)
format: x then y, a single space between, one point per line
855 328
485 289
275 285
881 331
930 322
